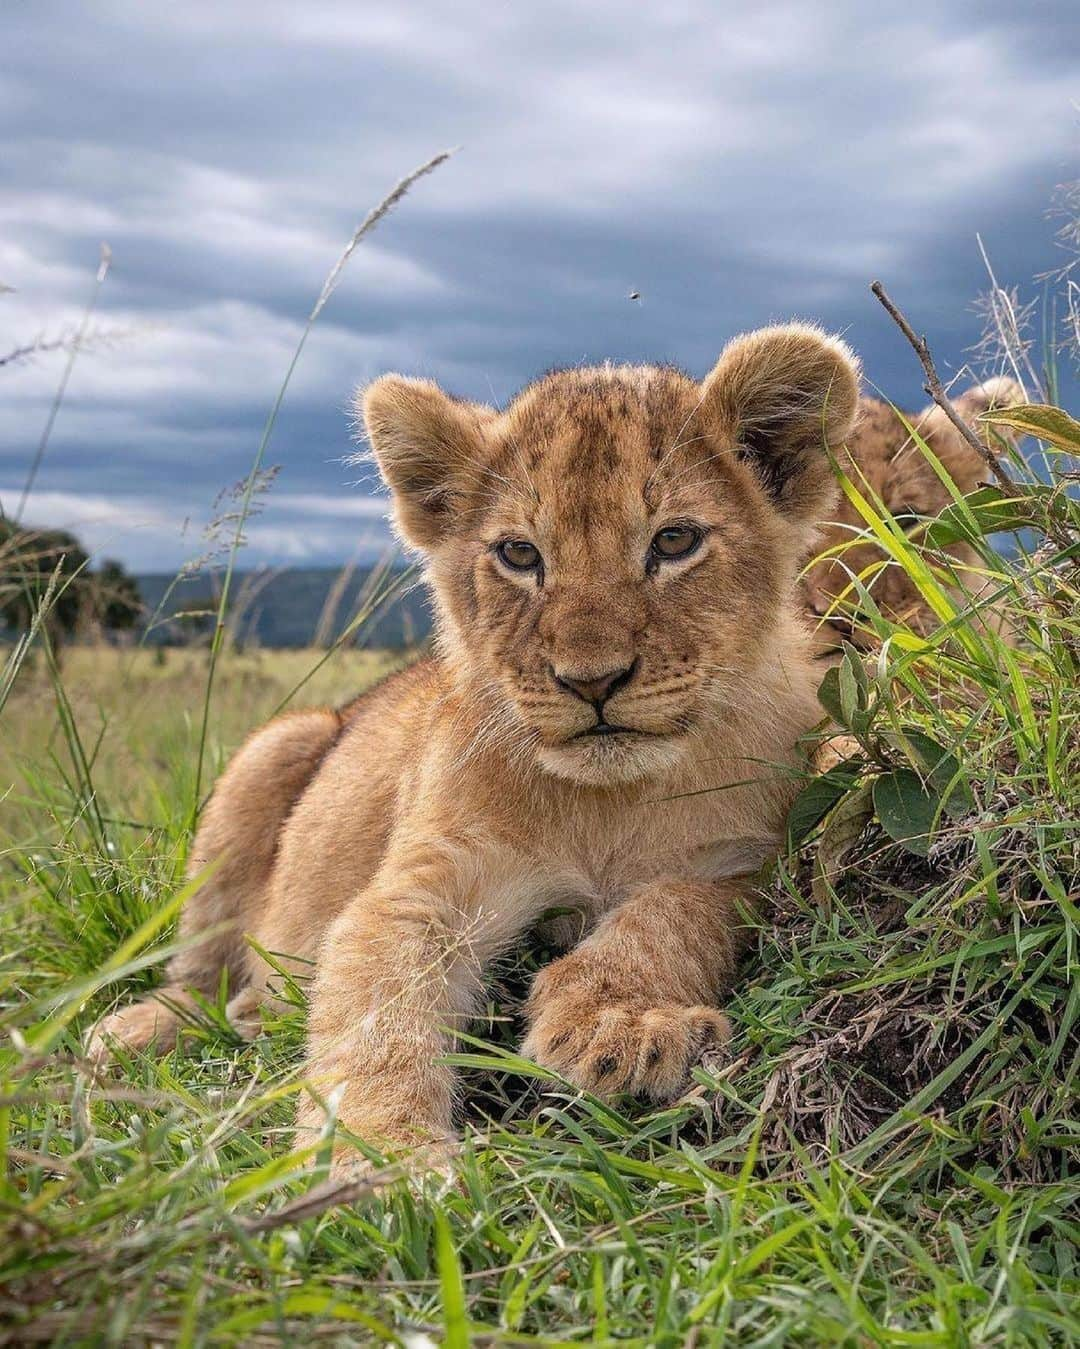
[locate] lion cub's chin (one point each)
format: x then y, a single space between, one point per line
607 760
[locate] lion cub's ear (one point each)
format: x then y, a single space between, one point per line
779 396
426 445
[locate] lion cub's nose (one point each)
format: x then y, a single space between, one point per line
596 689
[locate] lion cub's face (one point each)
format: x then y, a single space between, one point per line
611 553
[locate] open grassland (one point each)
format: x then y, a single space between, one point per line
887 1155
139 712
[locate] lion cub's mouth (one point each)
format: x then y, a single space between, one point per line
606 728
606 753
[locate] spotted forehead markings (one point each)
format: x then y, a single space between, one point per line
579 446
580 422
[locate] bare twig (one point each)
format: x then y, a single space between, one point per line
36 348
333 1193
934 388
45 346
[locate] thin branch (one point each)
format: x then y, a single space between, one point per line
44 346
327 1194
35 348
934 388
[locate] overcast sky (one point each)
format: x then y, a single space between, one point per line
734 164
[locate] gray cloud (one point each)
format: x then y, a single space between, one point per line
733 165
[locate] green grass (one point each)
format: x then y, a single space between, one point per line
888 1155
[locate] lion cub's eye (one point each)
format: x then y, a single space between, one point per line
518 554
907 517
675 541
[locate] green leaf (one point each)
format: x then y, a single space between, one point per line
845 826
1051 424
854 661
938 766
765 1250
991 511
829 695
324 1305
850 704
906 809
815 801
854 687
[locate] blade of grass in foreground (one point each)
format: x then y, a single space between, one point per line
122 962
329 285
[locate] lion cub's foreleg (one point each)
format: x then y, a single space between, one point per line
632 1008
399 972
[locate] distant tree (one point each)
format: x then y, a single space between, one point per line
33 561
117 602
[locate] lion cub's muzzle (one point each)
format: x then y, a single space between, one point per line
596 690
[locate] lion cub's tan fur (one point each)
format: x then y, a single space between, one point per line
885 461
404 841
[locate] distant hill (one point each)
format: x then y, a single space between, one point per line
291 608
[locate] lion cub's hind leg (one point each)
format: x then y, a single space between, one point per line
239 833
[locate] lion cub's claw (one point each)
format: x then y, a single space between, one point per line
609 1050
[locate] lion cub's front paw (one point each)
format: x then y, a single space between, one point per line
132 1028
612 1047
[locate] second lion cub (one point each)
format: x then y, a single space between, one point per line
609 722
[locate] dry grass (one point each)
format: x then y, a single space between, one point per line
136 708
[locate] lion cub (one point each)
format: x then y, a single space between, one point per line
609 722
884 460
